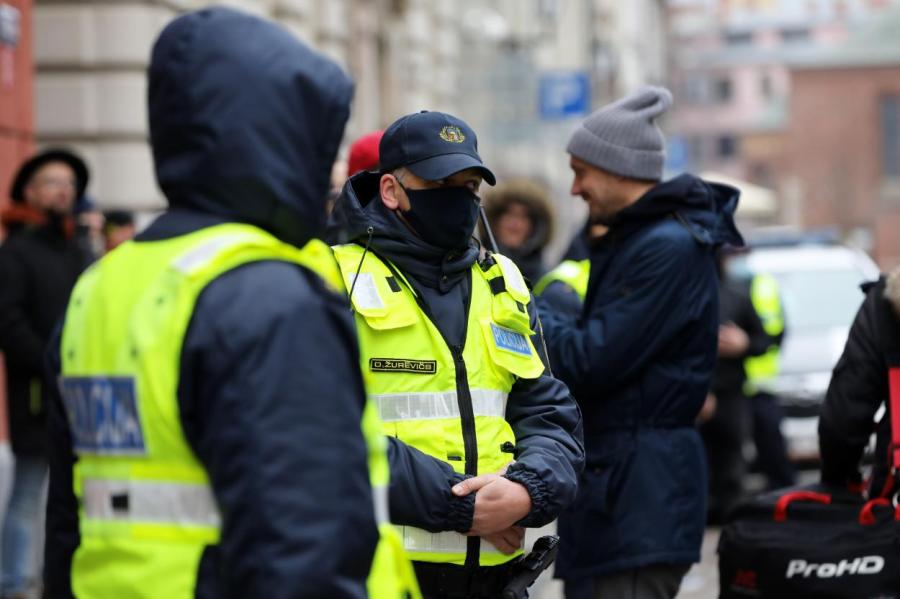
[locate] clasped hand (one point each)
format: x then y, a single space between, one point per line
499 504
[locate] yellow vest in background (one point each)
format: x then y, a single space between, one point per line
761 370
574 273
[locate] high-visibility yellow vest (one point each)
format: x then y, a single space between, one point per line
448 402
574 273
146 508
765 296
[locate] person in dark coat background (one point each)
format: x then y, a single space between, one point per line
640 357
858 388
741 334
245 122
39 264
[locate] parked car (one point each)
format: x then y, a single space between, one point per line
820 293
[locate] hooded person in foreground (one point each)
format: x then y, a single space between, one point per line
640 356
211 437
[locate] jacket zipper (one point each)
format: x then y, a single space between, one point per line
464 403
470 438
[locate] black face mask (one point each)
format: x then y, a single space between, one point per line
445 217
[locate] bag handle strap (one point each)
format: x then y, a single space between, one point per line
867 513
781 506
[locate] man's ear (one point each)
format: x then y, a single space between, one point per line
390 191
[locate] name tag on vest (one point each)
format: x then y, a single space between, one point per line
510 340
403 365
103 415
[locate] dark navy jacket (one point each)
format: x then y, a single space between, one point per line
639 360
545 419
245 123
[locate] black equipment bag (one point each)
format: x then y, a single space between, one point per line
812 543
798 544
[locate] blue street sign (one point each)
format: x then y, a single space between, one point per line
564 94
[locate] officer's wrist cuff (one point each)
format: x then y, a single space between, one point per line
462 510
537 489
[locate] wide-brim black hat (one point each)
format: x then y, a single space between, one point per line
27 170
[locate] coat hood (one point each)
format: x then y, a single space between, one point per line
706 209
245 121
358 211
536 200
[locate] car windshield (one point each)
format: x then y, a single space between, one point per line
820 298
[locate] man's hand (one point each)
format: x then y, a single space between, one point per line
733 341
507 541
499 503
708 410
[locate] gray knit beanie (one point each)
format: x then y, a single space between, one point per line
622 138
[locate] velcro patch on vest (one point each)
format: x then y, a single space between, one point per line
510 341
403 365
103 415
365 293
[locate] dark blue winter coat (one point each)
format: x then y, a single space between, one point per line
245 123
639 361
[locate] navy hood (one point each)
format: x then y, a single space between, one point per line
705 209
245 121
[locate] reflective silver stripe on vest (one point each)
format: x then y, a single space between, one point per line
199 256
156 502
422 541
380 499
430 406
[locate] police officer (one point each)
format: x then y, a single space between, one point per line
563 288
445 330
207 440
771 450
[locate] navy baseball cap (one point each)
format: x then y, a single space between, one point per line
432 145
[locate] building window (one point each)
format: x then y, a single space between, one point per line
739 38
761 174
726 146
398 7
696 155
765 87
722 90
795 35
694 89
890 136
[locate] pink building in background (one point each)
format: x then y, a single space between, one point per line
778 92
731 77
